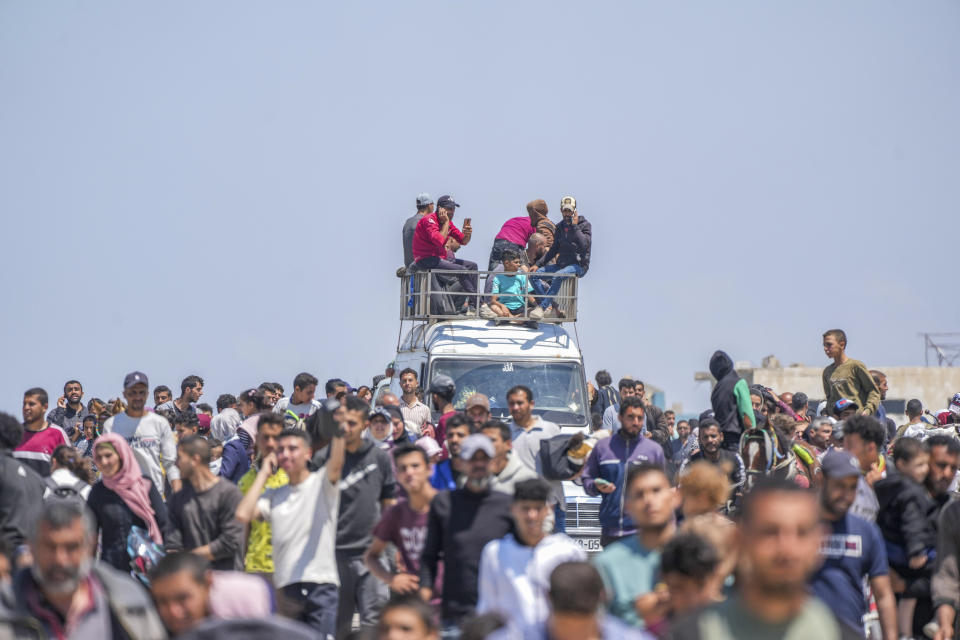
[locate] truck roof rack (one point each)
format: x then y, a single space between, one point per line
434 295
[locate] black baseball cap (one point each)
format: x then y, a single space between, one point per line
447 202
134 377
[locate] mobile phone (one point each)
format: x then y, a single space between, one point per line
601 482
466 222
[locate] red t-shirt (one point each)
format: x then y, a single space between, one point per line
36 447
407 530
429 242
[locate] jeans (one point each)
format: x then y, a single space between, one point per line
496 253
468 281
560 524
313 604
360 591
537 281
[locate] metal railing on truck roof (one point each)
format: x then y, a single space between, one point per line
436 295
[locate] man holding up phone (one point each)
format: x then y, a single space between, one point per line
430 246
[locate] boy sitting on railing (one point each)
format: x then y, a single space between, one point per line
511 289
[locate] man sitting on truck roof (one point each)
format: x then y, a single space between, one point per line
430 244
571 248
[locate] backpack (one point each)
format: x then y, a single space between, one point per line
64 492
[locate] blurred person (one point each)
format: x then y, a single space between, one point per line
506 471
515 570
187 592
302 517
124 498
334 386
91 431
148 434
364 393
852 551
404 524
201 515
459 524
40 437
224 425
406 617
704 488
271 392
821 432
216 455
720 532
800 405
907 521
779 539
915 426
69 412
630 566
259 553
606 395
66 594
70 475
688 564
846 377
23 489
606 470
442 391
413 409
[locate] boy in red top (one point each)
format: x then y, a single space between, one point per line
40 438
430 250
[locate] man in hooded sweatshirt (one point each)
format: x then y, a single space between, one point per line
730 400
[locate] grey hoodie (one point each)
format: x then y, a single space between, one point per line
506 481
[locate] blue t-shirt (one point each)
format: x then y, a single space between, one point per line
511 289
853 549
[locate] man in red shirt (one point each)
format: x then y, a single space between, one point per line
40 438
430 247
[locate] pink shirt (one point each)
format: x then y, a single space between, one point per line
516 230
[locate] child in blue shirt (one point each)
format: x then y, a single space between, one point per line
510 289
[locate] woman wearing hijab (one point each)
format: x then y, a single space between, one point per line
124 498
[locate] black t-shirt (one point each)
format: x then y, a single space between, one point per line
367 478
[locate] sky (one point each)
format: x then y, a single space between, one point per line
218 188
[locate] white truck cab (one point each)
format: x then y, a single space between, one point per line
483 356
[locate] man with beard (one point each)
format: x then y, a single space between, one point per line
710 443
779 538
821 433
65 594
852 550
459 524
69 416
605 472
730 400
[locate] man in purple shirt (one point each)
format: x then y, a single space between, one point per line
605 473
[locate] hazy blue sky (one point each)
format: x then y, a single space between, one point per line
218 187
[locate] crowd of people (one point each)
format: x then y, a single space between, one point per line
363 514
332 518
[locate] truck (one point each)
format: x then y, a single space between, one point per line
490 357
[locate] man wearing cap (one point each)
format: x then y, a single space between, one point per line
477 409
148 433
424 208
844 408
571 248
852 549
430 245
516 232
442 390
459 524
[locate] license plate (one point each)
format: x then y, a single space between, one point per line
589 544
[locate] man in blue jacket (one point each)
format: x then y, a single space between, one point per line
605 473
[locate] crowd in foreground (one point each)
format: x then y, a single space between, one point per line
350 516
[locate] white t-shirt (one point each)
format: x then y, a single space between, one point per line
64 478
151 439
303 524
302 410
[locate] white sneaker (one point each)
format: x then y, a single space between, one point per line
487 313
536 314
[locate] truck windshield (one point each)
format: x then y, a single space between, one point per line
558 387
